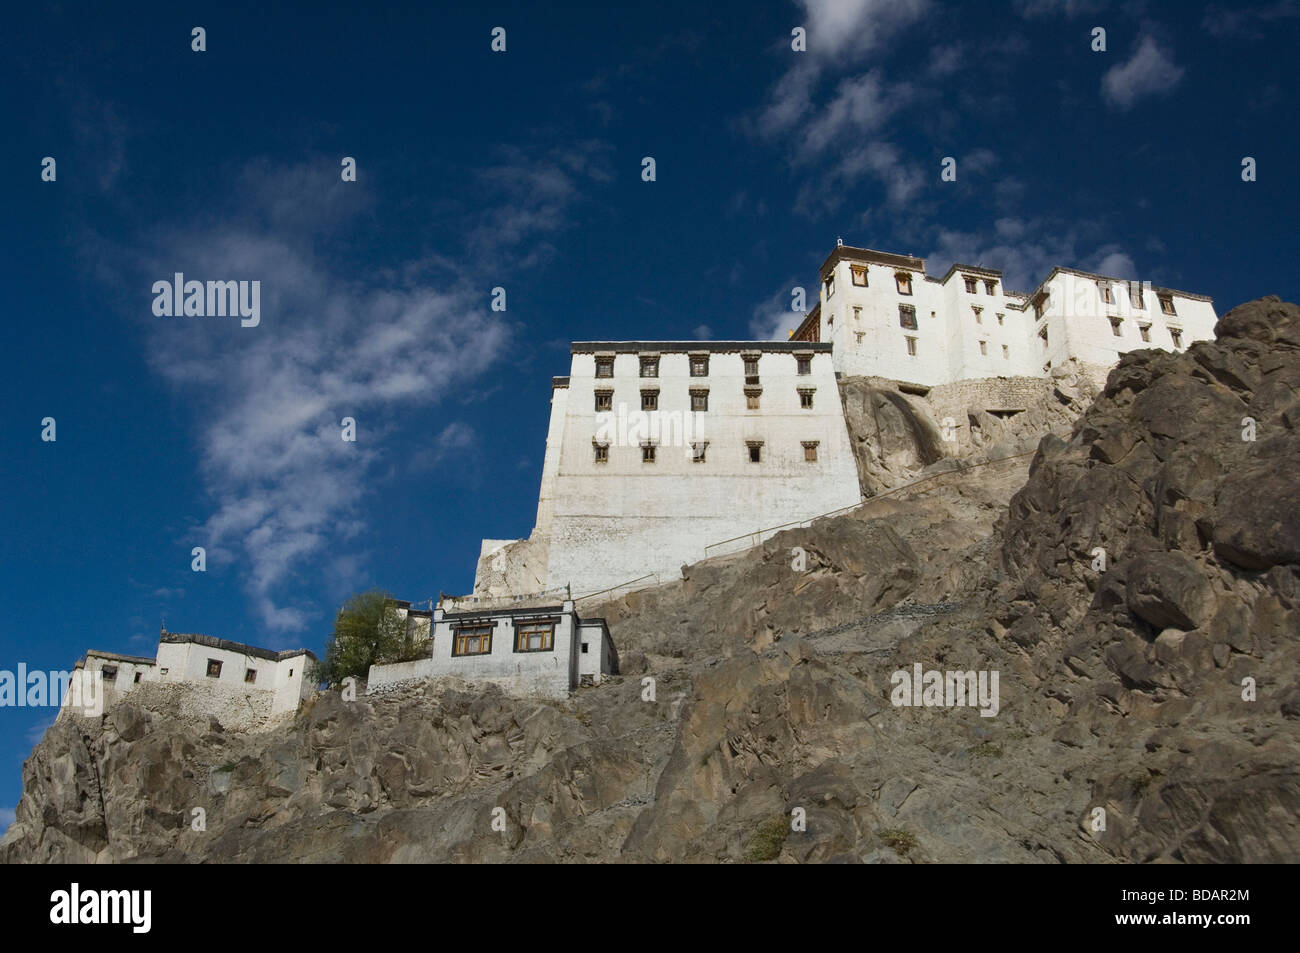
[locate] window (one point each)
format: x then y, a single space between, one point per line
810 451
647 452
1006 353
699 365
649 367
1104 288
214 668
806 397
698 450
250 675
162 671
604 367
859 273
857 314
984 348
1135 295
535 635
1000 317
1167 304
291 673
990 286
830 284
1145 331
751 366
911 347
601 451
109 672
604 400
859 335
971 285
751 398
755 450
904 282
1043 334
830 320
907 317
472 640
584 648
1115 327
137 677
699 400
649 400
1042 304
979 313
804 364
1177 336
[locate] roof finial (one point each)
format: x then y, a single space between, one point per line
838 241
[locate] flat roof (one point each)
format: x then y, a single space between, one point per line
524 611
850 253
974 269
213 642
625 347
1088 274
119 657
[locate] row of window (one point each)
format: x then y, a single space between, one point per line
699 365
700 399
699 451
537 635
1107 297
903 281
1116 328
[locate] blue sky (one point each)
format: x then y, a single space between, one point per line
520 169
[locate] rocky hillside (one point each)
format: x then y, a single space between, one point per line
1137 591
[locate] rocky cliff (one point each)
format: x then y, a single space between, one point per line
1137 590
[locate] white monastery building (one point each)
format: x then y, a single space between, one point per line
541 651
885 317
242 684
657 450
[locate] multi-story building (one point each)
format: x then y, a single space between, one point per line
885 317
658 449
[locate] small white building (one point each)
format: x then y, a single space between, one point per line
542 651
228 678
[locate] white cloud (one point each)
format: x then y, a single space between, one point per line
1149 72
1247 24
859 106
1039 9
841 28
772 319
287 491
1027 250
6 817
703 332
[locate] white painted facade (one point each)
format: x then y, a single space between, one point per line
968 326
277 681
744 435
539 651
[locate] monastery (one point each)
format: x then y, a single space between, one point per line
657 450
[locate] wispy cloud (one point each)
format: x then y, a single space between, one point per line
1248 23
1150 71
338 338
772 319
6 817
1027 249
1042 9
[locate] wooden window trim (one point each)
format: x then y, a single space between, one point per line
522 625
458 635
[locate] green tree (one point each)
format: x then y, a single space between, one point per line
369 630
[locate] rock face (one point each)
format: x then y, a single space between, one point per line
1136 587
